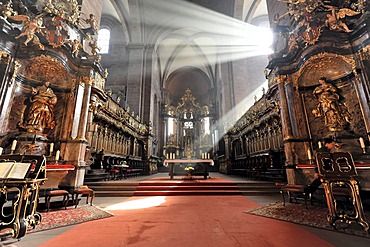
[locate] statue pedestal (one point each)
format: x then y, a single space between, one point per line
31 144
55 174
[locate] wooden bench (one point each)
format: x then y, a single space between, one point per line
83 190
293 190
133 172
54 193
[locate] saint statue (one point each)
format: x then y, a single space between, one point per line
41 112
335 113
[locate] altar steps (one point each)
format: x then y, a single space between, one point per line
168 188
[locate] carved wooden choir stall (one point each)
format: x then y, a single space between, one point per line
53 104
318 78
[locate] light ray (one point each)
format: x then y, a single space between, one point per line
138 204
230 36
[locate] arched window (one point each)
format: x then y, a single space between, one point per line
103 40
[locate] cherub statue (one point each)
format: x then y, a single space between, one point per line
7 10
94 47
93 23
31 26
333 19
76 46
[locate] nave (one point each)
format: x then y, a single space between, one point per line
184 221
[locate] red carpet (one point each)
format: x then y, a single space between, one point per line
70 216
187 221
182 179
315 216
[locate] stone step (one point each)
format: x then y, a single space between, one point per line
181 193
164 186
179 183
161 188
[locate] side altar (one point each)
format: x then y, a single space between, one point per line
174 163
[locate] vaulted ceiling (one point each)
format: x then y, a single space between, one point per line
189 37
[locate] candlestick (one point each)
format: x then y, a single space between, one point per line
362 144
14 145
309 155
51 148
57 154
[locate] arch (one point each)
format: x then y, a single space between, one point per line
189 78
252 8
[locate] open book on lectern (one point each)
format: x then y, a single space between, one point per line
14 170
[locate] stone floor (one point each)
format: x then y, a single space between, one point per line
332 237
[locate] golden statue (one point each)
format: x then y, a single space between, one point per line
30 28
94 47
333 19
41 112
92 21
76 45
6 10
335 113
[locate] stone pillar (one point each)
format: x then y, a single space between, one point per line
135 76
6 87
73 151
81 134
362 98
284 110
286 129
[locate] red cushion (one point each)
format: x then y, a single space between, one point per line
82 191
57 193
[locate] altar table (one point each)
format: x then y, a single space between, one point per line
175 162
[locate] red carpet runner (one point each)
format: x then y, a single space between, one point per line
186 221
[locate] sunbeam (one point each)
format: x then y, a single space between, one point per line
138 203
211 33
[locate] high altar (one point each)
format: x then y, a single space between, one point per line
188 131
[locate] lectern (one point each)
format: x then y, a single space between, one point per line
20 178
338 175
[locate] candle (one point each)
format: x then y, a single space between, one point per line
362 143
202 155
51 149
57 154
309 154
14 145
1 150
320 144
208 156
